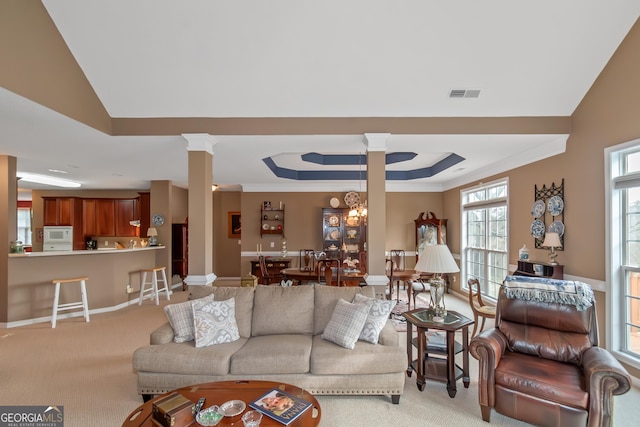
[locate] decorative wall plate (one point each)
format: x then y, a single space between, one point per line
334 202
158 219
557 227
555 205
334 220
352 198
265 226
537 210
537 229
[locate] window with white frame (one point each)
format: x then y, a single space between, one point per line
24 225
623 242
485 235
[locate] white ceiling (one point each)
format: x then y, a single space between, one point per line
292 58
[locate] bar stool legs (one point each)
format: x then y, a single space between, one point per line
153 291
57 307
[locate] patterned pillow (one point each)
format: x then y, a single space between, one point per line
376 319
346 323
214 322
180 317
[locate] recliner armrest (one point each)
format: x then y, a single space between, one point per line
604 377
162 335
488 347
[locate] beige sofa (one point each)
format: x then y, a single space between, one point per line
280 332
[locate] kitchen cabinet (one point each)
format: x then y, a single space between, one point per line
61 211
65 211
143 208
125 211
343 236
88 217
105 217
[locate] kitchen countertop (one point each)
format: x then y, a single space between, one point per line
84 252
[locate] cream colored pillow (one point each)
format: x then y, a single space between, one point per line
214 322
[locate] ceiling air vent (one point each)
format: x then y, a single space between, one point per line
464 93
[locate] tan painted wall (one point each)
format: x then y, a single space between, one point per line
608 115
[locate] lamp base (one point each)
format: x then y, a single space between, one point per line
153 241
436 303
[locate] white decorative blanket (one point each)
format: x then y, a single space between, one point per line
541 289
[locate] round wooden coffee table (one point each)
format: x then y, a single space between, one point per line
217 393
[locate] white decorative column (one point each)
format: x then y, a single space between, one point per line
376 210
200 148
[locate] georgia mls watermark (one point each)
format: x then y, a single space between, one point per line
31 416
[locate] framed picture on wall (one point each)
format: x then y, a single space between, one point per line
235 225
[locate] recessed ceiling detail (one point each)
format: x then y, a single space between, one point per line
353 159
355 175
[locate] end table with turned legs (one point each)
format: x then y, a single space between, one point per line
437 361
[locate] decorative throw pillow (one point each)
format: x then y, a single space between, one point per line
180 317
376 319
346 323
214 322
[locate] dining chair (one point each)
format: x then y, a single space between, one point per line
266 278
326 269
479 308
307 259
397 257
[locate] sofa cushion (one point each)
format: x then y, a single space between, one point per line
346 323
282 310
185 358
376 318
180 317
273 354
365 358
326 298
214 322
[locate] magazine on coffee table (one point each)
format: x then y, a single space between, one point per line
280 405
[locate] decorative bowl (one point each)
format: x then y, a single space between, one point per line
232 408
209 417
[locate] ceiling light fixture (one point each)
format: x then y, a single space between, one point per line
359 209
47 180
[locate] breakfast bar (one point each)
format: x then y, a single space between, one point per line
30 293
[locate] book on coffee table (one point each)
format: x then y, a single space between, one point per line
280 405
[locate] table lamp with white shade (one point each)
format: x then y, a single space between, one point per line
437 259
152 234
552 241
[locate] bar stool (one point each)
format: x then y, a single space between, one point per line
70 305
153 290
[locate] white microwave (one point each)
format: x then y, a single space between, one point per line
58 234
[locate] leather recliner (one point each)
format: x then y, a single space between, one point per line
541 364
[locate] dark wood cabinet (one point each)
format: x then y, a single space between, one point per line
125 211
61 211
143 208
105 217
343 236
65 211
527 268
88 217
180 250
429 231
274 266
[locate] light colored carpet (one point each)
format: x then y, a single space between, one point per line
86 367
